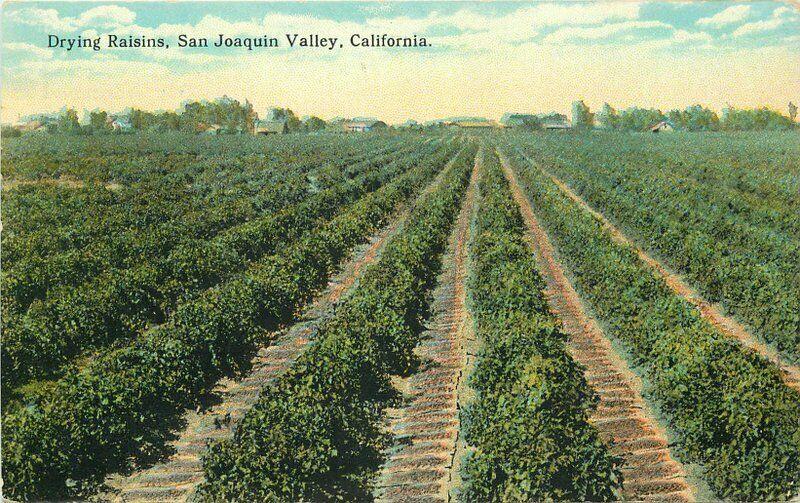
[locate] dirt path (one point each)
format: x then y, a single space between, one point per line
713 313
622 417
63 182
425 427
177 478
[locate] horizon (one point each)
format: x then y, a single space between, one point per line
83 114
485 60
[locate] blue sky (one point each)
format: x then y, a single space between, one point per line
485 58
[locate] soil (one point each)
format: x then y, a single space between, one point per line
425 426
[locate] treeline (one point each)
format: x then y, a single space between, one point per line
693 118
220 116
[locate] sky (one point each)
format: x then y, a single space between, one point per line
485 58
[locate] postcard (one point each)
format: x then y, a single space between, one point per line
400 251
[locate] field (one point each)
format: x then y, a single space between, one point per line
413 316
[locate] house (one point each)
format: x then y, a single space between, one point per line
512 120
270 127
33 125
665 126
363 125
122 124
556 126
213 129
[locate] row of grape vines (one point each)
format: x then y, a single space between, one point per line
728 408
119 231
315 433
528 426
738 249
115 306
176 477
123 402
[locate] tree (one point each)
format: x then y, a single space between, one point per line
792 111
638 119
313 123
285 114
10 132
695 118
141 120
607 117
68 122
758 119
582 117
98 121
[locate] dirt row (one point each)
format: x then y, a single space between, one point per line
625 421
713 313
176 478
426 425
63 182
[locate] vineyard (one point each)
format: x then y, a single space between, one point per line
444 316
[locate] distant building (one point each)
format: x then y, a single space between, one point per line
513 120
36 122
555 122
363 125
270 127
32 125
213 129
663 126
122 124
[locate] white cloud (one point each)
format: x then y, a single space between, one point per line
731 15
686 36
780 11
600 32
103 16
30 49
757 27
483 29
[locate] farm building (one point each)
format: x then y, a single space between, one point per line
270 127
363 125
663 126
122 124
554 121
512 120
34 125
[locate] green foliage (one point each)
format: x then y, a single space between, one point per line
10 132
759 119
607 117
118 303
694 118
315 434
313 124
582 117
123 402
722 210
529 423
729 408
68 122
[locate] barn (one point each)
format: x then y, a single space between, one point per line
363 125
270 127
663 126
